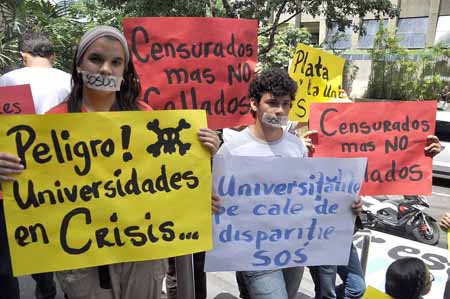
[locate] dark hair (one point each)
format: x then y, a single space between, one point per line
126 97
273 80
36 44
406 278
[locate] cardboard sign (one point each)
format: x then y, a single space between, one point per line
385 249
392 135
16 99
283 212
319 78
372 293
196 63
103 188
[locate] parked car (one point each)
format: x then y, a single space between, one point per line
441 162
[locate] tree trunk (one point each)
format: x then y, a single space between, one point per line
274 29
228 10
212 7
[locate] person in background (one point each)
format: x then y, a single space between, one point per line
445 226
408 278
49 87
443 98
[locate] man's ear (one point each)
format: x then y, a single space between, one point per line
24 58
52 59
253 105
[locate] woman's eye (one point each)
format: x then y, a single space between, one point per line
94 59
117 62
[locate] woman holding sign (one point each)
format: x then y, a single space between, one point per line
104 79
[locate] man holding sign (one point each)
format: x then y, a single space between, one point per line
271 93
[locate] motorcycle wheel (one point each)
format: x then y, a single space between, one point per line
422 235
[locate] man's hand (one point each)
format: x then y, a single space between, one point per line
445 222
215 204
434 146
357 206
309 142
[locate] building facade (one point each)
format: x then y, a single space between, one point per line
422 23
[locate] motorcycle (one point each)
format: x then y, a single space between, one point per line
400 216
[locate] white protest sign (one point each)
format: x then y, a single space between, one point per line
283 212
385 249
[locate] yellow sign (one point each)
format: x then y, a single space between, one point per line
372 293
103 188
319 77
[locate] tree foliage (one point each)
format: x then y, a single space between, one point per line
337 12
65 24
401 74
286 41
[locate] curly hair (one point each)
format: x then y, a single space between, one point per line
36 44
406 278
126 97
273 80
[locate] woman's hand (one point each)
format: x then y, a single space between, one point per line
209 139
9 165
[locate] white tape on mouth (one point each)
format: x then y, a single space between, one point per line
274 121
101 82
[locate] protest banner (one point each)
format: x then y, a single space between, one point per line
372 293
392 135
103 188
16 99
183 66
283 212
318 75
385 249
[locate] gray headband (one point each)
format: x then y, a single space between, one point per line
101 31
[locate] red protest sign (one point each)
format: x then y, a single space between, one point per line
392 135
196 63
16 99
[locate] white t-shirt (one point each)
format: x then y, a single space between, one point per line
244 143
49 86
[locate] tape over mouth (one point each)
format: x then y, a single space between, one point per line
274 121
101 82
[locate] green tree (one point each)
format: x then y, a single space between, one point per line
286 41
63 24
400 74
268 13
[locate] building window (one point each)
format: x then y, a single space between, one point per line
443 31
339 40
313 29
413 32
371 27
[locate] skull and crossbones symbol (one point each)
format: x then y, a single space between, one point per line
168 138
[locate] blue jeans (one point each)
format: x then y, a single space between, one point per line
353 286
270 284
